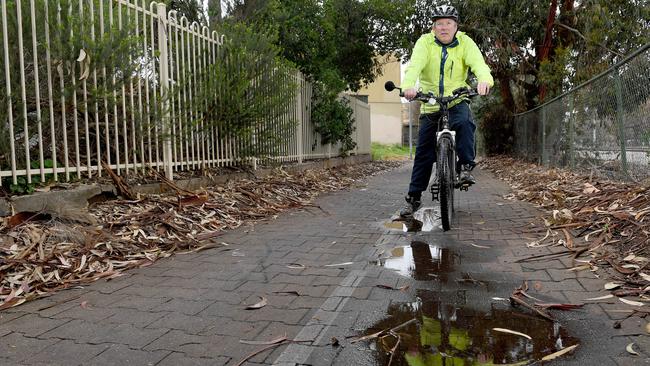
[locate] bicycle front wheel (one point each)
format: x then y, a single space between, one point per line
446 182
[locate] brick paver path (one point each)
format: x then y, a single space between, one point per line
189 309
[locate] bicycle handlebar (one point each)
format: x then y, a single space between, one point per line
426 97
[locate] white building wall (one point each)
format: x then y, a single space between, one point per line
386 123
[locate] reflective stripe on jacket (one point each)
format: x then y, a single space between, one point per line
443 68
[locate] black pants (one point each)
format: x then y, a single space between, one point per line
461 121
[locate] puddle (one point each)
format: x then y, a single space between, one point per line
453 335
425 219
421 261
405 225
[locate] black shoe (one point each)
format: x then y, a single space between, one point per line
412 205
466 175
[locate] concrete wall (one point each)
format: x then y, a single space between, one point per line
386 123
385 107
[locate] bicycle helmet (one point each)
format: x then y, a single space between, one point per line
445 11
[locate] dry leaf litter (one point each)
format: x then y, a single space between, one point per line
40 255
603 225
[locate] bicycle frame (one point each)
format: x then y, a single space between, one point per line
447 180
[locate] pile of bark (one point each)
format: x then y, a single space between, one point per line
40 254
604 225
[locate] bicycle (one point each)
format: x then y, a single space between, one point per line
446 180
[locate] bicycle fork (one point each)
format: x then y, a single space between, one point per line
448 134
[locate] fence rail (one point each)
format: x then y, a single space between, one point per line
63 113
601 126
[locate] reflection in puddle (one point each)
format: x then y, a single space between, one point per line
449 334
405 225
420 261
429 218
425 219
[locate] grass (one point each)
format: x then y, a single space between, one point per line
389 152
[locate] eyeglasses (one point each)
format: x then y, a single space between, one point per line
444 23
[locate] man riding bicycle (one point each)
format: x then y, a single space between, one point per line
441 60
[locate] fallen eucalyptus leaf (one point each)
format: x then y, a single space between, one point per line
259 305
600 298
612 285
264 343
82 55
590 189
504 330
339 264
630 302
559 353
480 246
629 348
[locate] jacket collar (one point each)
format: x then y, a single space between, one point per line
453 43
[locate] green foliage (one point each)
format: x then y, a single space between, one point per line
191 9
22 186
389 152
107 67
511 33
553 72
335 43
246 93
332 117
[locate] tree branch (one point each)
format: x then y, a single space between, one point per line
586 40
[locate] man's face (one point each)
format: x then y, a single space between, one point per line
445 29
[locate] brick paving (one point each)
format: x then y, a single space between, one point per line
190 309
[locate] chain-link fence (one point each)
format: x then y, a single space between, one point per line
601 126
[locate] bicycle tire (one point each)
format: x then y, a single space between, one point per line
446 182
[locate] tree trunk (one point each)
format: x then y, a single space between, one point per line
506 93
548 43
214 12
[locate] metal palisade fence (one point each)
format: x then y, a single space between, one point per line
601 126
118 82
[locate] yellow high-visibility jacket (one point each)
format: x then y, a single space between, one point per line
443 68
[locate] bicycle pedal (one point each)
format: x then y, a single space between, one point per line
435 191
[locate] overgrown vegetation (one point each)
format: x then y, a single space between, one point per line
535 49
389 152
81 57
245 93
336 44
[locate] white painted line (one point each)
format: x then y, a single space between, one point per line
320 323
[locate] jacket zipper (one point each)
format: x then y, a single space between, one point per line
441 82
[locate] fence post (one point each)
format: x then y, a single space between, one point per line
571 134
299 114
164 83
410 131
522 124
619 120
356 126
543 137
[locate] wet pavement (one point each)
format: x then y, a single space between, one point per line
420 261
329 276
447 331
